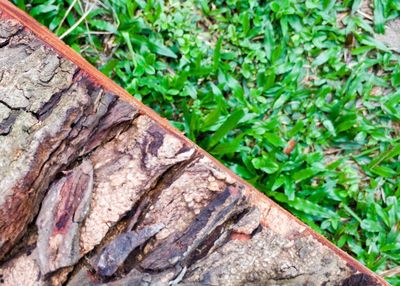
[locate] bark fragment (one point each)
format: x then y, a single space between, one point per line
183 196
115 253
125 169
181 246
63 210
52 115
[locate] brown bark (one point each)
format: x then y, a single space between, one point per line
98 190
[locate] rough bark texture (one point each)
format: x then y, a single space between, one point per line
63 210
97 190
53 116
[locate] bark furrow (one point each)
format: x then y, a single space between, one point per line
51 115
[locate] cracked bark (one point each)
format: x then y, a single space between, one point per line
63 210
54 119
113 196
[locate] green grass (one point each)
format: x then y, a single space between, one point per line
297 97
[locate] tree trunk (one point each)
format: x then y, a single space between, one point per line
98 189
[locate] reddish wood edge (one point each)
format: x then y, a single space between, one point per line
99 78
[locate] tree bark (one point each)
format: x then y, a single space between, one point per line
98 190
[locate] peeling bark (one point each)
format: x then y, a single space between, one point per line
115 253
125 169
187 245
54 115
119 198
63 210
